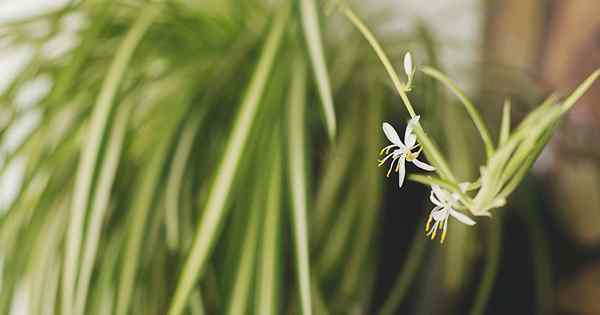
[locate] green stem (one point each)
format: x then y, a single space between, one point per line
473 113
297 182
429 147
491 268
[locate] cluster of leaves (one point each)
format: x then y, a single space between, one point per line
170 166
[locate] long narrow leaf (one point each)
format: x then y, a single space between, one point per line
268 270
176 177
505 125
244 274
297 180
100 205
89 156
312 35
140 207
215 208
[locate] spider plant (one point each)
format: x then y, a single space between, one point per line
211 157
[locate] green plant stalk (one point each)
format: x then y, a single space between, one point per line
580 90
43 251
268 270
494 251
240 292
319 304
175 179
473 112
100 204
505 124
140 208
540 258
196 304
526 165
215 209
428 146
297 182
312 35
89 155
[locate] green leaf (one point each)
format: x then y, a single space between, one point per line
244 271
297 181
312 35
473 112
581 89
90 154
143 200
269 261
100 204
505 125
494 252
176 177
215 209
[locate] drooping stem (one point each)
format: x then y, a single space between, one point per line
491 269
429 147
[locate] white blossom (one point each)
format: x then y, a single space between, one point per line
445 204
402 152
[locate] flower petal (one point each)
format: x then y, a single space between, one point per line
423 165
433 198
409 138
392 135
439 193
461 217
401 171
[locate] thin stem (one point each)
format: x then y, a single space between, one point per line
297 182
491 268
473 112
399 85
428 146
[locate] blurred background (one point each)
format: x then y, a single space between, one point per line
185 108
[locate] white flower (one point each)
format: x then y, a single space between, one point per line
445 203
402 152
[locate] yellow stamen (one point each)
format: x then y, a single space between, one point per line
433 234
443 237
427 225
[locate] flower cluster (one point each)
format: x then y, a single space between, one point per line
400 153
506 165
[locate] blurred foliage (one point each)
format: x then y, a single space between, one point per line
210 157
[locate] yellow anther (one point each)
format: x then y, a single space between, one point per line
443 237
428 223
